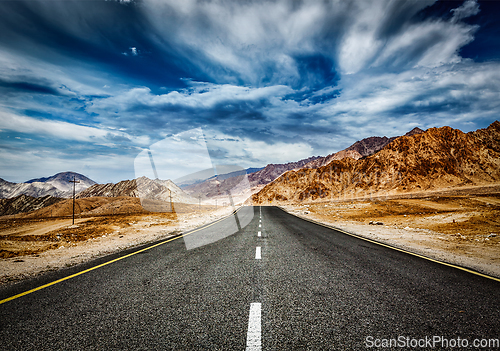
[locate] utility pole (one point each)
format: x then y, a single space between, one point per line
171 203
218 191
74 181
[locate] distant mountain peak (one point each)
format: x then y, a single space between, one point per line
57 185
63 176
415 131
273 171
361 148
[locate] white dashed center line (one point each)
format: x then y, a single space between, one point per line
257 253
254 338
254 342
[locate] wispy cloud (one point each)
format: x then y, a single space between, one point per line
272 80
468 8
66 131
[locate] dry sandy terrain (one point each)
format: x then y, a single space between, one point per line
30 245
460 227
463 230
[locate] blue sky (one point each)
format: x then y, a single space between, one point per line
87 85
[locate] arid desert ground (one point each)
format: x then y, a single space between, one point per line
460 226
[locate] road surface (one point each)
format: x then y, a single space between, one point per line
266 281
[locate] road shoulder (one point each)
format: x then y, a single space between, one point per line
477 257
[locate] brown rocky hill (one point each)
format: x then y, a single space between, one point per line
90 206
361 148
143 188
220 185
123 188
436 159
24 203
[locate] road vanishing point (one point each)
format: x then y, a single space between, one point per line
276 282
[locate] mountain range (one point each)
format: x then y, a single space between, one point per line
143 188
362 148
420 160
273 171
57 186
242 180
435 159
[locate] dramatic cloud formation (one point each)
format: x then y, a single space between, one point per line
268 81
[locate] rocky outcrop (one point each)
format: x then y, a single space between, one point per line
243 180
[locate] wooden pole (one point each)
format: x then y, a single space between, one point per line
74 181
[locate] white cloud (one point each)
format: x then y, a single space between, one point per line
429 45
247 38
469 8
201 95
279 152
392 73
64 130
430 96
69 77
245 152
251 38
22 165
174 157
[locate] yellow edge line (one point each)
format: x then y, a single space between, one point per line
395 248
109 262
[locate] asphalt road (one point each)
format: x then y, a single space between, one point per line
313 288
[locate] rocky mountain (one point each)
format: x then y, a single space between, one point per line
234 182
221 184
36 189
61 181
273 171
123 188
414 131
143 188
56 186
192 180
435 159
362 148
23 203
242 180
